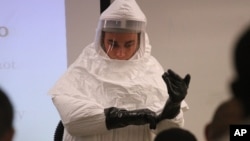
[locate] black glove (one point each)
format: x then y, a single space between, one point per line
117 118
177 90
177 87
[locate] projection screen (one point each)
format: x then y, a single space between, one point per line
32 57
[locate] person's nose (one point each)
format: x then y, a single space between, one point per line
120 52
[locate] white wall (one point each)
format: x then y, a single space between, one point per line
188 36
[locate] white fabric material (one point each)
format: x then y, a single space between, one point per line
93 83
126 9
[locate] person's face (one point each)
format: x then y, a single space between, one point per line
120 46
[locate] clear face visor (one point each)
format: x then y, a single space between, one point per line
123 26
121 39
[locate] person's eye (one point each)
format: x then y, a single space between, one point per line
128 45
113 44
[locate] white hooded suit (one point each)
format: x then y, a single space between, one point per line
95 82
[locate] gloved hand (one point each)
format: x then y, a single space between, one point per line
117 118
177 87
177 90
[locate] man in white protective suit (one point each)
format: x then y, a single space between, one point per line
115 90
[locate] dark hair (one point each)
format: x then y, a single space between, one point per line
241 58
6 113
175 134
242 55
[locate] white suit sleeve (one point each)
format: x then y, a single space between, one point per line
80 113
80 117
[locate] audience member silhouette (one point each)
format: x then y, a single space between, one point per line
240 86
236 109
175 134
6 117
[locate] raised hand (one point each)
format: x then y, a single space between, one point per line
177 90
177 86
